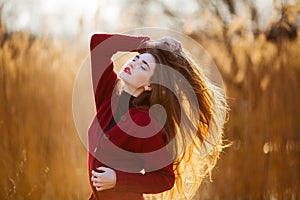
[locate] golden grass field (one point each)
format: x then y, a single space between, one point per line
42 156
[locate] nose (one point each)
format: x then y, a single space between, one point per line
131 65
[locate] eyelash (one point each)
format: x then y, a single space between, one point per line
141 65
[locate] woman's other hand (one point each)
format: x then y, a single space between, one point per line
105 179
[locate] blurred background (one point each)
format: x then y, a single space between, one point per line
255 44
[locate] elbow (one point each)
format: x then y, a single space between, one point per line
170 180
170 183
166 184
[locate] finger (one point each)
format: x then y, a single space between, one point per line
97 174
104 169
95 179
172 45
99 188
175 45
95 184
178 45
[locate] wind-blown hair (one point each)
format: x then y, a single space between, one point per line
196 112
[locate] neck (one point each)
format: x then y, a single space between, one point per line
132 91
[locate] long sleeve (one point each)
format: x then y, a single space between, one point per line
151 181
102 47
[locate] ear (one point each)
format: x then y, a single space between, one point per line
148 88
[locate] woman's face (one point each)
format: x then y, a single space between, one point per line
137 72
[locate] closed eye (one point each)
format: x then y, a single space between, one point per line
136 58
143 68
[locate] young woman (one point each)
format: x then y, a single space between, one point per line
137 147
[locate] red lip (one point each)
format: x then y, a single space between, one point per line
127 70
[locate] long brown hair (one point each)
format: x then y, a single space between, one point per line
196 111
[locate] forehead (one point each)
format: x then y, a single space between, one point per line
147 57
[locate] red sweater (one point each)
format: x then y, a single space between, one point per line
130 184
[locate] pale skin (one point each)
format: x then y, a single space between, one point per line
104 180
136 80
137 73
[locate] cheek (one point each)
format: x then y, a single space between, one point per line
142 78
147 77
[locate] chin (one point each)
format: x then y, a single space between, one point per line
122 75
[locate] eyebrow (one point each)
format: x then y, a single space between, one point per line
138 57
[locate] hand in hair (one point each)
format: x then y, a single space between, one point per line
172 44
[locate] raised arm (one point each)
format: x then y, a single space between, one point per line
102 47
